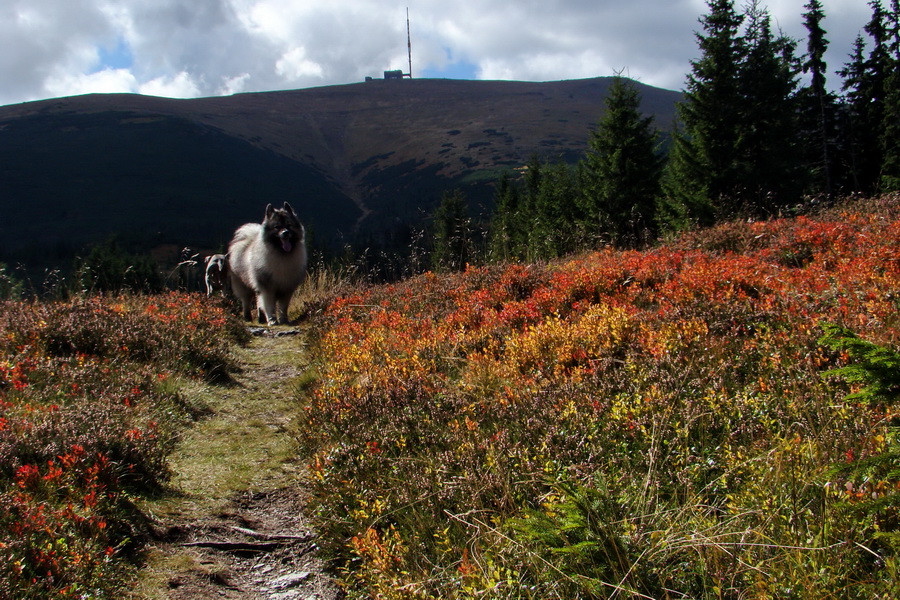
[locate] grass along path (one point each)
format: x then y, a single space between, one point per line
234 527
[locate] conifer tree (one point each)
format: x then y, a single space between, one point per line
674 211
533 177
736 148
620 175
535 223
890 166
853 74
453 247
10 287
552 233
110 268
890 131
506 229
817 104
769 160
705 150
525 216
864 86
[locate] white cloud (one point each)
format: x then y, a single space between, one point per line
234 85
211 47
107 81
182 85
294 65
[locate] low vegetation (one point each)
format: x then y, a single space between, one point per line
89 410
713 417
670 423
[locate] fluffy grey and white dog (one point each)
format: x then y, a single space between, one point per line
216 273
267 261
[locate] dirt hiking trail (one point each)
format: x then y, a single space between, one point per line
235 527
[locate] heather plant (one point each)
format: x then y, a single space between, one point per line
88 415
616 424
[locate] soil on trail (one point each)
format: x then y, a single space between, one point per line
235 526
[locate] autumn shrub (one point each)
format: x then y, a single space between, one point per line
88 415
617 424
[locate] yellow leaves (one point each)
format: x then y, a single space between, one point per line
382 554
443 541
319 465
568 347
665 338
368 511
378 551
569 410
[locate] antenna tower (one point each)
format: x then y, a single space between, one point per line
408 44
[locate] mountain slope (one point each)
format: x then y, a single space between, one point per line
355 160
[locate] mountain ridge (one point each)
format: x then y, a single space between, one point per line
358 160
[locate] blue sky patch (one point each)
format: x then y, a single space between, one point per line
454 70
117 57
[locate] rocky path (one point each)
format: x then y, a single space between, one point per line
235 528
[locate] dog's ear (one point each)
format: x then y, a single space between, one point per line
207 259
269 211
288 208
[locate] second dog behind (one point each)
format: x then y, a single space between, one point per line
216 273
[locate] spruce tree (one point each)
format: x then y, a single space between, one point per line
675 210
453 247
890 165
528 211
852 127
769 165
890 131
534 224
10 287
553 232
621 172
706 149
865 81
817 104
506 241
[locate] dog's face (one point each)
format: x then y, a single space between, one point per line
282 228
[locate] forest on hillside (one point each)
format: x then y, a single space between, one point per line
758 135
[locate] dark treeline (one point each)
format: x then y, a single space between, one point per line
759 134
106 267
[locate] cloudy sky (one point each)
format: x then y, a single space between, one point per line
190 48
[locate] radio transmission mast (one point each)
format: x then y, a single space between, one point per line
408 44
